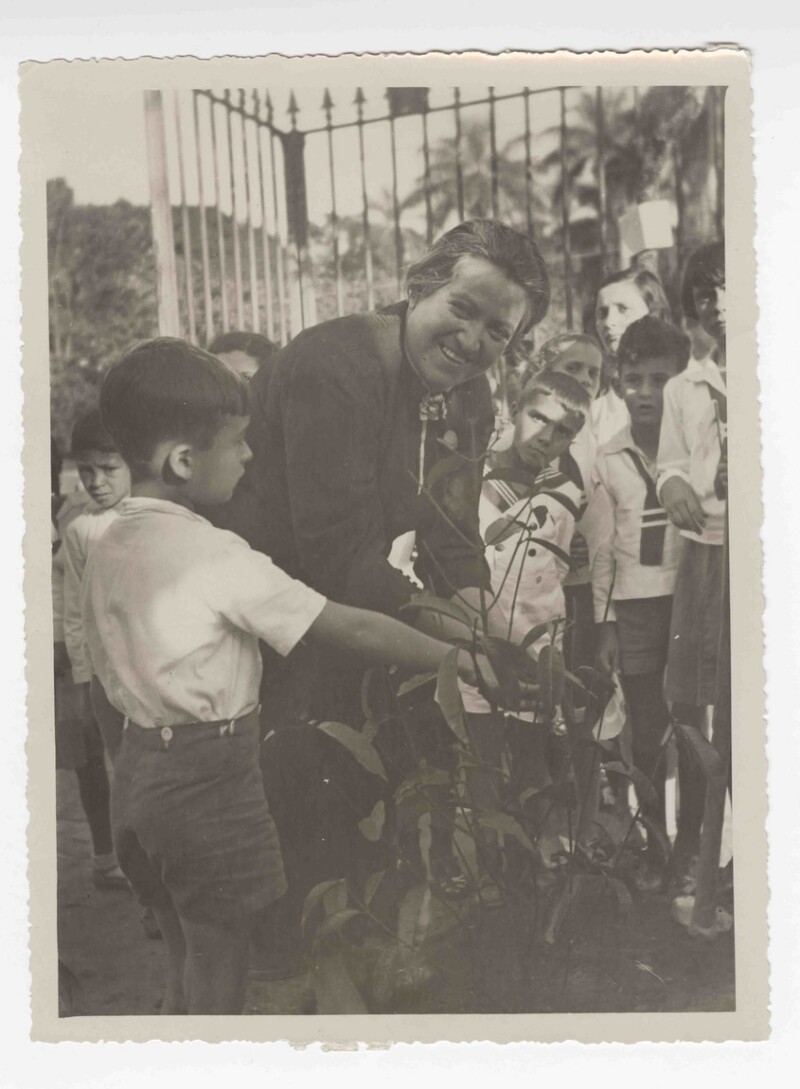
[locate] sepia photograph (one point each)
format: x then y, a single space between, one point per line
396 579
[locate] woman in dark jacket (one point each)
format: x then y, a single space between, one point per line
355 415
358 410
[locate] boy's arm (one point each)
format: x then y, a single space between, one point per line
601 516
680 500
74 550
382 640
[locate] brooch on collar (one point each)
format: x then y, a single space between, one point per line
433 406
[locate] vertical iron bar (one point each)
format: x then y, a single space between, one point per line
459 167
255 305
279 255
528 165
264 233
327 105
398 240
368 271
161 216
185 232
677 165
565 208
293 111
602 211
223 272
719 154
493 149
426 159
207 303
237 251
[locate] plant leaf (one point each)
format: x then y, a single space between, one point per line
441 606
314 898
558 552
443 469
507 826
411 910
335 898
357 745
377 696
448 696
427 776
334 989
413 684
706 755
644 788
622 893
371 827
536 633
372 885
332 924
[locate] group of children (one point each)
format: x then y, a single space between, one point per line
162 614
624 546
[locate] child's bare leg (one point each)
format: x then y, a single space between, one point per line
216 965
174 1000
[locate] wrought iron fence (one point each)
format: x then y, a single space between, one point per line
237 245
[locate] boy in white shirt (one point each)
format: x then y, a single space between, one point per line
635 555
692 474
106 481
173 612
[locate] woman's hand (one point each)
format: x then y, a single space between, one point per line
477 671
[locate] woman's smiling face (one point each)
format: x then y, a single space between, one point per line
462 328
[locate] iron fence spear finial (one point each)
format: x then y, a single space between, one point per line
293 110
327 105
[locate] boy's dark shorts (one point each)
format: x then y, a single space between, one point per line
643 634
190 820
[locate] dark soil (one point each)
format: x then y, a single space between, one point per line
605 963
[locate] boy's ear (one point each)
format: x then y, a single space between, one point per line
178 464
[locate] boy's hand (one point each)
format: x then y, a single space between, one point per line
682 505
61 663
608 651
468 669
721 479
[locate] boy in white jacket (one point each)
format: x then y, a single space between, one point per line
636 551
528 533
692 484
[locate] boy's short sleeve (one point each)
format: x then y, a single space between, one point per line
247 590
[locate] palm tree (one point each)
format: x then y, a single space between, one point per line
474 152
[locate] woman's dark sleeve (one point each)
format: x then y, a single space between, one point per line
332 413
451 548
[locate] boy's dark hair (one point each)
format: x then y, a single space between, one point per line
513 253
89 433
166 389
649 338
649 287
566 389
252 344
705 268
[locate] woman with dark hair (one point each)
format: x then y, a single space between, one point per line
361 408
357 413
